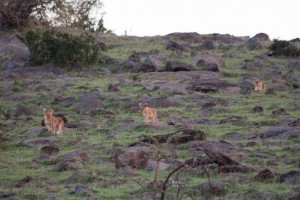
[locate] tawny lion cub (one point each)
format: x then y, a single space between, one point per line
52 122
259 85
149 114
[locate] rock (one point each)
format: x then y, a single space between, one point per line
14 51
218 157
175 66
262 36
214 85
147 66
127 171
210 62
6 194
251 144
65 101
291 177
270 196
152 164
135 57
258 109
69 165
208 45
80 190
112 88
89 102
294 64
209 189
174 46
24 110
49 150
39 141
77 155
252 194
295 123
134 158
234 120
264 175
254 43
278 112
295 196
247 86
34 132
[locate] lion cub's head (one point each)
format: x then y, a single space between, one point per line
143 106
48 112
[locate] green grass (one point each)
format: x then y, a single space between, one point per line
102 131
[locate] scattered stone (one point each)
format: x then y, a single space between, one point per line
127 171
175 66
258 109
147 66
174 46
49 150
24 110
89 102
250 144
34 131
134 158
264 175
254 43
68 165
262 36
6 194
209 189
112 88
83 190
291 177
278 112
295 123
39 141
210 62
218 157
152 165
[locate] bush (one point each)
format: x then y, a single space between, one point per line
284 48
50 46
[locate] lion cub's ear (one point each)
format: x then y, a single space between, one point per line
261 79
146 104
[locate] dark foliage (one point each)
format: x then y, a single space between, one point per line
50 46
284 48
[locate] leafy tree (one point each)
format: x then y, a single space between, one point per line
66 13
284 48
50 46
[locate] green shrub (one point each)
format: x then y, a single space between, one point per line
50 46
284 48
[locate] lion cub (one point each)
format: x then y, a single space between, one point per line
52 122
258 83
149 114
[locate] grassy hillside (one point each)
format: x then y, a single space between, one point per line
116 122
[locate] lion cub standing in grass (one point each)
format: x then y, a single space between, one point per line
52 122
149 114
258 83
